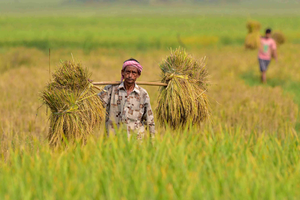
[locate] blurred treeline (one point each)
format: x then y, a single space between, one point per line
128 1
268 3
156 1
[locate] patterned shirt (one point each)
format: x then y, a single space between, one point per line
134 110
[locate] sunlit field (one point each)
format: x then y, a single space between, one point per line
249 149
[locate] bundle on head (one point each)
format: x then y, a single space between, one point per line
184 100
252 40
75 107
278 37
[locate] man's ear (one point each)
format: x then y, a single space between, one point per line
139 74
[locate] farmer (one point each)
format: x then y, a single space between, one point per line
265 52
128 104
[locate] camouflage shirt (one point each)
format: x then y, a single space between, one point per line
134 110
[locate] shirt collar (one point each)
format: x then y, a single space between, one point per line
136 88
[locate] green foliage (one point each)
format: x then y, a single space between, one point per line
133 33
249 151
179 165
155 1
184 100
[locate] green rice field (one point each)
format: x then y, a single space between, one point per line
249 149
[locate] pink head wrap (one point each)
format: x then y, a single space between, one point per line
131 63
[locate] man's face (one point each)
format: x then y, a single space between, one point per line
130 74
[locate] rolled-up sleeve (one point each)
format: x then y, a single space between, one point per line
105 95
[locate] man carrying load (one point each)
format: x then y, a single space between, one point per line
128 104
265 52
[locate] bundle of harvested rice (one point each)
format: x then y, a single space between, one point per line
253 26
75 107
183 100
278 37
252 40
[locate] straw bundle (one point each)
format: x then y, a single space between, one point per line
75 107
184 100
252 40
253 26
279 37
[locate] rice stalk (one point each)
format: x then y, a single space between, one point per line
184 100
253 26
252 40
75 107
279 37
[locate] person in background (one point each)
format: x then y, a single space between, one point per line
128 104
266 50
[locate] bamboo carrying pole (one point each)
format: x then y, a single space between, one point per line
139 83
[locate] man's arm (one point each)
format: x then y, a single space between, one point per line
105 95
274 50
148 116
